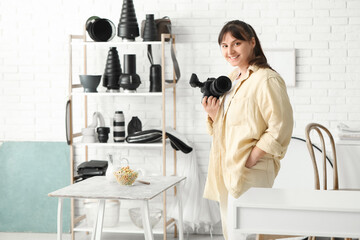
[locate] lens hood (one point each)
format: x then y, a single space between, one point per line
100 29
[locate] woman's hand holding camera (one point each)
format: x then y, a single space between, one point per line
211 105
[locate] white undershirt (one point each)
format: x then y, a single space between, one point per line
228 93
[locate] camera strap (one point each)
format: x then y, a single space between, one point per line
149 54
177 141
173 58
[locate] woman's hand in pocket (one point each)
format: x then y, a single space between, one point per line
255 155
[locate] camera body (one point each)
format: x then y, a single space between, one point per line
215 87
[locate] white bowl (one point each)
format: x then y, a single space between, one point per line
136 218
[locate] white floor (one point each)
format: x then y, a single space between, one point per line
105 236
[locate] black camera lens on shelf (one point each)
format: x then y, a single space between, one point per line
215 87
119 126
103 134
128 28
100 29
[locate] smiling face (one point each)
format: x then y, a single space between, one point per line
237 52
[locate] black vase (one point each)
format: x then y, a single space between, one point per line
128 28
155 78
103 134
150 31
129 80
134 126
112 71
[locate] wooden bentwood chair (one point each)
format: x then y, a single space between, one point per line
295 173
319 129
335 181
319 160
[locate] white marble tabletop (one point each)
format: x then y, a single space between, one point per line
99 188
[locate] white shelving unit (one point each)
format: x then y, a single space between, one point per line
77 224
121 227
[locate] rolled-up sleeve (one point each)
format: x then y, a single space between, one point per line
277 112
209 125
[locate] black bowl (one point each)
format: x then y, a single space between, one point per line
90 82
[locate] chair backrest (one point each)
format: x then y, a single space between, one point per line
296 171
295 168
323 161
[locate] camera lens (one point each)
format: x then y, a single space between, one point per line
103 30
103 134
100 29
220 86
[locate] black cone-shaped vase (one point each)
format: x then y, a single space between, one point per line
112 71
128 28
134 125
129 80
150 32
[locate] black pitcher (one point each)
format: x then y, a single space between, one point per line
134 125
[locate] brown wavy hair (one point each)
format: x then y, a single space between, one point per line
243 31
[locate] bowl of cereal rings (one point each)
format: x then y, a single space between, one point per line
126 176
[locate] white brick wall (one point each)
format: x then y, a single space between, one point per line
34 61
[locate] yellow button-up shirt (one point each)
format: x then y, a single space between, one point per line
258 113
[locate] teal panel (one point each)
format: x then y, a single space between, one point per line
29 171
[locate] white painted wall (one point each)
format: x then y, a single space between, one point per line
34 57
34 61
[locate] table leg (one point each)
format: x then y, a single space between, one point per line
146 221
98 224
59 219
180 222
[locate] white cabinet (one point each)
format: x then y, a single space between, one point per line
348 160
80 43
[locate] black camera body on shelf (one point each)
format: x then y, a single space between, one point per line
215 87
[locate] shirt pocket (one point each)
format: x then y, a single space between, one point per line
241 112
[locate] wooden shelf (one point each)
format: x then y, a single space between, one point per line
123 145
119 94
114 43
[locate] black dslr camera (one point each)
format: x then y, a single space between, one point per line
215 87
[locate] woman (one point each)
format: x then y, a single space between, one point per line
251 125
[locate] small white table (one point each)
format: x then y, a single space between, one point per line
297 212
99 188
